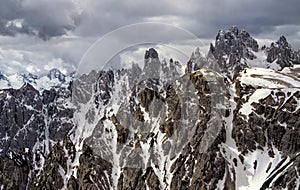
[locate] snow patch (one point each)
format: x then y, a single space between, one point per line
254 98
264 167
268 78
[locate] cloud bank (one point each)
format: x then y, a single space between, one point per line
44 30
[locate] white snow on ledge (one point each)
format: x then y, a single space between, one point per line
268 78
265 165
255 97
265 80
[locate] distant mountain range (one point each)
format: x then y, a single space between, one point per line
54 79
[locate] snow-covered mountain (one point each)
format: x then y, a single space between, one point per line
54 79
226 121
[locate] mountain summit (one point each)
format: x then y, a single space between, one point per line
235 50
282 53
151 53
232 47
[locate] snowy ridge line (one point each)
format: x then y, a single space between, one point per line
268 78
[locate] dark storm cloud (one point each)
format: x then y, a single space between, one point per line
44 19
95 18
100 17
203 18
255 16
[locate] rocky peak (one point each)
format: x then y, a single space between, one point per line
234 30
164 70
235 37
283 43
282 52
28 88
196 61
2 77
4 82
55 73
231 47
151 53
152 67
30 78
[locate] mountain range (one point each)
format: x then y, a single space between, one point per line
53 79
229 120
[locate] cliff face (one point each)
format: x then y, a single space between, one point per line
31 123
159 128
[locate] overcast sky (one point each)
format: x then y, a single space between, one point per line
37 35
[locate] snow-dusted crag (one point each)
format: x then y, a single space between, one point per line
235 50
229 120
54 79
